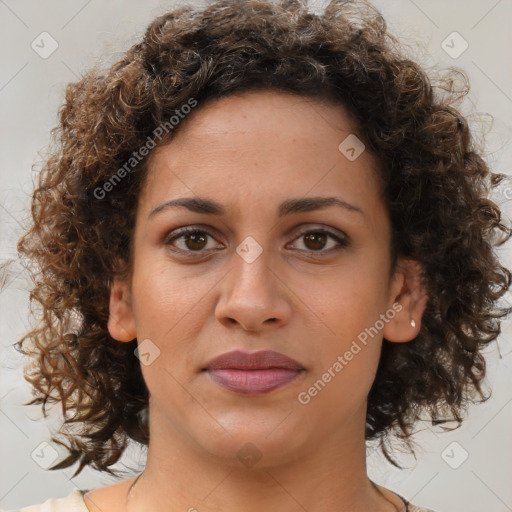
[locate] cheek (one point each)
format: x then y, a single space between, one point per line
350 312
353 302
346 361
163 295
165 314
170 310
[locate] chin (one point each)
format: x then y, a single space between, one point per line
247 446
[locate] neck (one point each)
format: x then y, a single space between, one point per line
327 477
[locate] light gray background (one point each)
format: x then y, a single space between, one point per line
31 89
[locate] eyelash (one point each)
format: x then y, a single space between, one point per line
342 241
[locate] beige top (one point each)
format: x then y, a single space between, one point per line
74 502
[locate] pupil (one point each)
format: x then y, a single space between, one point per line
317 238
193 237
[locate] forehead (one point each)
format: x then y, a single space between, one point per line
259 147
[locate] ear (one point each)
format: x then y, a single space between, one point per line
121 323
407 290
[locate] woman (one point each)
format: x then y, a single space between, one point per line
254 236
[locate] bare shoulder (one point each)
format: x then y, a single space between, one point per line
108 497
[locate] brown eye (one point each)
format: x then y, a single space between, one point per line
190 240
196 241
316 240
193 240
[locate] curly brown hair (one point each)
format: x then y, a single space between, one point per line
436 186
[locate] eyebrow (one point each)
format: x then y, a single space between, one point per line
290 206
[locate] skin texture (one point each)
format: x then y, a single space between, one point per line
250 152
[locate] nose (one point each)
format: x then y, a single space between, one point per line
253 296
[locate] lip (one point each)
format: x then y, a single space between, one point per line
253 373
262 360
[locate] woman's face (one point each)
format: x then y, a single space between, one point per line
309 282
